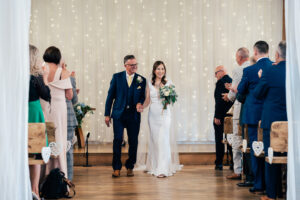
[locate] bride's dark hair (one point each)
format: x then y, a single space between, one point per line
155 66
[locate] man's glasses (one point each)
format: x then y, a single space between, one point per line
132 65
218 72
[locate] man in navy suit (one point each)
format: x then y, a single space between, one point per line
271 88
127 95
253 107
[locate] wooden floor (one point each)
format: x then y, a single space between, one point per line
182 148
193 182
189 154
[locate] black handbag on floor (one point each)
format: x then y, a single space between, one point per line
55 186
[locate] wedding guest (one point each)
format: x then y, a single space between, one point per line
247 170
72 123
221 108
253 107
38 88
271 88
61 88
242 59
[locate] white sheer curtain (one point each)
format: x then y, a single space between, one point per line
191 36
14 72
292 16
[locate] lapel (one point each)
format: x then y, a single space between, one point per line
133 84
124 84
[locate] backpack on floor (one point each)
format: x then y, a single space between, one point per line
55 186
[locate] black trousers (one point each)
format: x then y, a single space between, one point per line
219 129
132 125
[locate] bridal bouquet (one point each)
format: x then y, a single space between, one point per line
168 95
81 110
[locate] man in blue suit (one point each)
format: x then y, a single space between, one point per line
253 107
271 88
127 95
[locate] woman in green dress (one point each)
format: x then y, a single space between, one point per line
37 89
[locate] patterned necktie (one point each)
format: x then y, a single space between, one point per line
129 80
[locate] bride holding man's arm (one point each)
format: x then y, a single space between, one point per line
162 158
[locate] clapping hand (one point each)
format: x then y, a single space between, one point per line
234 89
228 86
225 97
260 73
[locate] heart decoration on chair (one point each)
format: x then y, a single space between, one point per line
245 143
270 154
257 147
55 148
46 152
230 138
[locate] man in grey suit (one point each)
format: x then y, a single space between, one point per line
242 59
72 124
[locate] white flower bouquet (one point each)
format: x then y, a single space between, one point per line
168 95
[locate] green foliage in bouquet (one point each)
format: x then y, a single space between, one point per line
168 95
81 110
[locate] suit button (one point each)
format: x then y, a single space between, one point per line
128 107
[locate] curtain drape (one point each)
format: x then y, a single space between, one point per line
14 72
192 37
292 16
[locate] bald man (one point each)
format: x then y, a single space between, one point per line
221 108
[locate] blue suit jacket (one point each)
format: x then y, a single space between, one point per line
252 108
117 94
271 88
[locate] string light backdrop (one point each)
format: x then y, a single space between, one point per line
192 37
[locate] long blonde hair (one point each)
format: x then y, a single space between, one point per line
35 68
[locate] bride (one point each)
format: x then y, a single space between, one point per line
162 157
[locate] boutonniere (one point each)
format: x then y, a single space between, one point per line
139 79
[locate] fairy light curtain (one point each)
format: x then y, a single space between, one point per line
192 37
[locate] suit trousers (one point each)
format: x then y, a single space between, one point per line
132 126
272 171
219 129
70 162
236 151
257 164
247 161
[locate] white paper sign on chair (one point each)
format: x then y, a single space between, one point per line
230 138
245 145
270 154
257 147
46 152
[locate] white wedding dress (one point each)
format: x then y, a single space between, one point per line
162 156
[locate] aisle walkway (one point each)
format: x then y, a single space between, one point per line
193 182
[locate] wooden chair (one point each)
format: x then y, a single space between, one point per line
36 141
245 136
278 141
50 127
227 128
